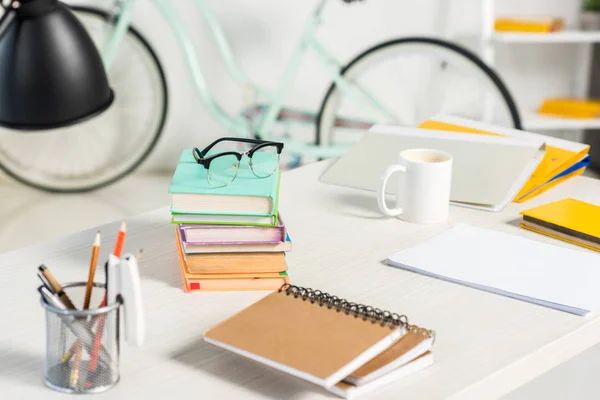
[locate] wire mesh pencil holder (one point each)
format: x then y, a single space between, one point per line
82 346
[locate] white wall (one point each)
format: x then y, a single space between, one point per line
262 33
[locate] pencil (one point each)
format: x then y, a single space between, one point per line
98 339
138 256
56 286
88 293
92 272
120 240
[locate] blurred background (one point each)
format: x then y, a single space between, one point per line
262 34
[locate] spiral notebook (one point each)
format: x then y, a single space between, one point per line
310 334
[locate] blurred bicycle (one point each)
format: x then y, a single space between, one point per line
400 82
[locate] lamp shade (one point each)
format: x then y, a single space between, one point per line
51 74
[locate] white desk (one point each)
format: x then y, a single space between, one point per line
487 344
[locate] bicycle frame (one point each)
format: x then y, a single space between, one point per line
238 124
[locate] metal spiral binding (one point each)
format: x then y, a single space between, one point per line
421 331
367 313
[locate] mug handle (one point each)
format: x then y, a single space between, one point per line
381 190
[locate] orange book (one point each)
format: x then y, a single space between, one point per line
235 263
240 284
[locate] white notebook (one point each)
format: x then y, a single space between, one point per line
509 265
487 171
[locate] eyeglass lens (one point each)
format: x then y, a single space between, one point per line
223 170
264 161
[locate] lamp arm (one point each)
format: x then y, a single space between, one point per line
7 17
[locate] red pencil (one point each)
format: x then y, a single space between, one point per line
98 339
120 240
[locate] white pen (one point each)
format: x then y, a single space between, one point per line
112 279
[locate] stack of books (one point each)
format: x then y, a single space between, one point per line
232 237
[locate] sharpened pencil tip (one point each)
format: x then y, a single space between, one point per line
138 256
42 267
123 226
97 239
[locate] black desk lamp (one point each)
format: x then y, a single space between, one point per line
51 74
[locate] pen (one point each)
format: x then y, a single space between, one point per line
56 286
45 282
98 340
50 298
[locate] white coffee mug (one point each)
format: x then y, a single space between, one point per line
423 189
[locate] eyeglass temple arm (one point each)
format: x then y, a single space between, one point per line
232 139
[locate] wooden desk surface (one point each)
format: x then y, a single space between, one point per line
487 345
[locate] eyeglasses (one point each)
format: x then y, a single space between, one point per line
223 167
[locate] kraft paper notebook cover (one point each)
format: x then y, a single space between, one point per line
571 220
350 391
232 234
312 342
413 344
563 159
487 171
508 265
246 195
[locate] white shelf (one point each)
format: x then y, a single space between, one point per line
536 122
554 37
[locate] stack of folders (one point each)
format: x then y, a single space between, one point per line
562 160
231 237
347 348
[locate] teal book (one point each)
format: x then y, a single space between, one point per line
246 196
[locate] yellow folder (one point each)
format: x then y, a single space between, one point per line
560 154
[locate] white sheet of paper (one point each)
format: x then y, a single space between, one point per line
509 265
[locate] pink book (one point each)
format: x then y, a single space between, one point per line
232 234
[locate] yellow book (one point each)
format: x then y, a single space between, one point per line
528 25
570 220
560 155
570 108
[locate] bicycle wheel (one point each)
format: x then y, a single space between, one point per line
103 149
414 79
